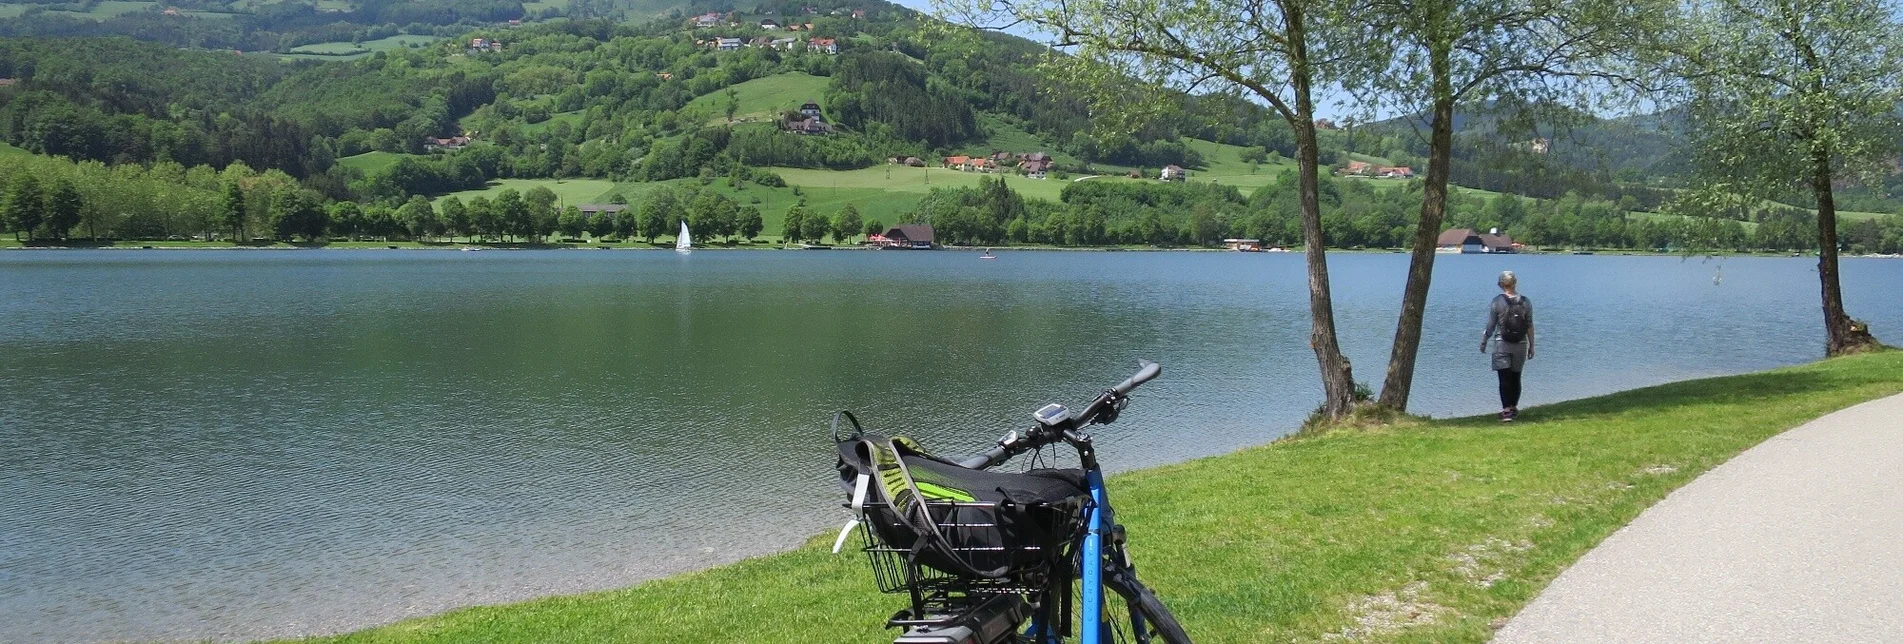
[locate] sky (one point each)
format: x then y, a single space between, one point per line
1328 104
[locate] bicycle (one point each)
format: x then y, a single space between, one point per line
980 552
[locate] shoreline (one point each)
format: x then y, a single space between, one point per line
1458 521
10 245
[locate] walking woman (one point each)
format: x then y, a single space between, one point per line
1510 332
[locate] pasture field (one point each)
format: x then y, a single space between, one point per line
370 162
760 99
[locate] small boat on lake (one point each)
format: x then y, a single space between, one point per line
684 244
987 255
471 249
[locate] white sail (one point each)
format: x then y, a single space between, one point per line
685 242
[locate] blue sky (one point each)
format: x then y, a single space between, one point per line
1325 104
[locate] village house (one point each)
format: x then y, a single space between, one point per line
1468 242
761 42
1325 124
590 210
1173 172
1243 245
1365 169
769 24
707 20
957 163
905 236
727 44
483 45
1035 165
914 162
451 143
810 108
828 45
784 44
809 125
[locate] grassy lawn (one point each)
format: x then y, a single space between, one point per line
101 11
372 161
761 99
1007 137
571 191
1429 531
7 150
573 119
345 50
877 194
1224 165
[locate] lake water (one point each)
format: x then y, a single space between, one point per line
241 444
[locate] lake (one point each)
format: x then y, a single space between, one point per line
241 444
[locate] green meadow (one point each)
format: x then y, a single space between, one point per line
1418 531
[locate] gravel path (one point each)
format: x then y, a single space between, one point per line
1799 539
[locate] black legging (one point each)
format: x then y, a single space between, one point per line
1509 388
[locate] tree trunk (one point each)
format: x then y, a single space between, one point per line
1338 383
1840 337
1420 271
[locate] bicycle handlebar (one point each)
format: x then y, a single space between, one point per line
1148 372
1013 444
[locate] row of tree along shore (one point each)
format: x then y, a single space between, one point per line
54 201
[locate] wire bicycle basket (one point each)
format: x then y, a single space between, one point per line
976 535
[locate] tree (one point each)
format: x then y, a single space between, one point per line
847 223
751 222
793 226
1436 54
512 214
231 211
295 212
733 103
659 210
603 224
418 217
25 207
346 219
63 208
379 222
455 217
541 212
1793 95
570 222
876 227
483 218
815 227
1276 50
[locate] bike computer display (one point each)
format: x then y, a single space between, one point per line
1051 415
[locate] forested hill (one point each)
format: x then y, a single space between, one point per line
586 98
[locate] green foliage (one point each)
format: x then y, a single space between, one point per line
793 224
63 206
25 207
847 223
751 222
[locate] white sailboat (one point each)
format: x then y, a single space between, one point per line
685 243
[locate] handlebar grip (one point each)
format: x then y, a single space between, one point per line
986 460
1149 372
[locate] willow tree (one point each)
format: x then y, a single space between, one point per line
1277 51
1794 96
1439 55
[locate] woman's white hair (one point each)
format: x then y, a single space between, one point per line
1508 279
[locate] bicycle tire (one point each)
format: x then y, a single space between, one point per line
1160 624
